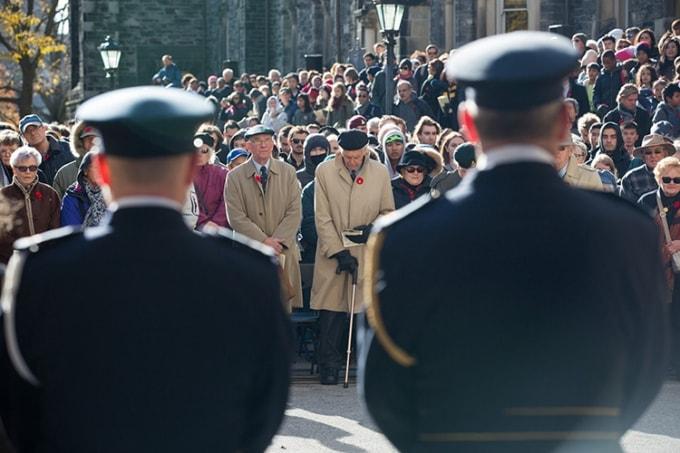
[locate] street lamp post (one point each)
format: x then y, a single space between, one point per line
390 14
110 52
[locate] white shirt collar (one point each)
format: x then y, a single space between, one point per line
144 201
511 154
258 166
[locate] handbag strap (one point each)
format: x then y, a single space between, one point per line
664 223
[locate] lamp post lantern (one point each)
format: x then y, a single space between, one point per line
390 15
110 52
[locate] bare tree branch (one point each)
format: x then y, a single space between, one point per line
51 13
10 100
6 43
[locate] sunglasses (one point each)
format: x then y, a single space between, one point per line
297 141
668 180
26 169
419 170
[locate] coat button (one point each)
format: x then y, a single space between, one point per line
261 214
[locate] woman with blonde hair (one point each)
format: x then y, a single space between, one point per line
664 205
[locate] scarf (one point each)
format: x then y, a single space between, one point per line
626 115
411 190
97 207
672 204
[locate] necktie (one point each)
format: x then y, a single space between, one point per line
353 174
264 176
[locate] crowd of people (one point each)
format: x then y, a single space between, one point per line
263 165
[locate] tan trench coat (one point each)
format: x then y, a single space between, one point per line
582 176
341 204
276 213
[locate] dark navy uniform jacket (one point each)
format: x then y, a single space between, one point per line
143 336
514 314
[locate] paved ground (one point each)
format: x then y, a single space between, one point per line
332 419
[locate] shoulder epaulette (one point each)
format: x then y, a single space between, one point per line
417 205
237 240
47 239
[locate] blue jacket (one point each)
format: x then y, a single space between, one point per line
74 206
169 76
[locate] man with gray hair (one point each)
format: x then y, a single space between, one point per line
627 110
409 107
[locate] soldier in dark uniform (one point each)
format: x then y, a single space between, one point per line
488 341
141 335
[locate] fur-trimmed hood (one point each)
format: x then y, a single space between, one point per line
76 143
430 154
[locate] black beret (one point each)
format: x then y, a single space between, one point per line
352 140
258 130
514 71
465 155
147 122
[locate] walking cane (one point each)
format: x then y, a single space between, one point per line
351 324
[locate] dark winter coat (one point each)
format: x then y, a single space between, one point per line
404 193
641 118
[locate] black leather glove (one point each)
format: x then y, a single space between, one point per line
365 231
346 262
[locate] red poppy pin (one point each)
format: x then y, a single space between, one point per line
38 196
258 178
360 180
676 204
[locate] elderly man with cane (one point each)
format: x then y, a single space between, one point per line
351 192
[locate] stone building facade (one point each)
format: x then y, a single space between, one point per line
255 35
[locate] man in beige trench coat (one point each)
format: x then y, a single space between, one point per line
351 192
263 203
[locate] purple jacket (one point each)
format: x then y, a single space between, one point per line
209 185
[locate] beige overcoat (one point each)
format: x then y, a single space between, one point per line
582 176
276 213
341 204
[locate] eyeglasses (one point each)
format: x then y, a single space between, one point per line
668 180
419 170
34 168
297 141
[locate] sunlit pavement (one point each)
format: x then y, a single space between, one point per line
324 419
